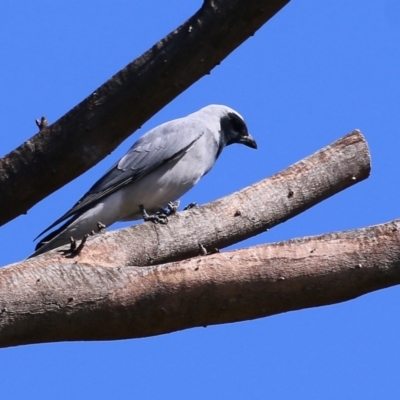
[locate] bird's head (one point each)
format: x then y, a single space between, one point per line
227 125
234 130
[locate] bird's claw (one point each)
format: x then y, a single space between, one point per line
101 227
172 207
159 217
73 244
81 244
74 248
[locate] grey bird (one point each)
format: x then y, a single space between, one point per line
158 169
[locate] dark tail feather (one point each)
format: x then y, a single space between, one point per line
53 234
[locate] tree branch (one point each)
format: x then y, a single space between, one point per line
53 298
234 218
75 301
92 129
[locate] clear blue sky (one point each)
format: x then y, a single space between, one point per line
315 72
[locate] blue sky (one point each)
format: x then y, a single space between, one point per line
315 72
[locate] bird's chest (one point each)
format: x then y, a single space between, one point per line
177 177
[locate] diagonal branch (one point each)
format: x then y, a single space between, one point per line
234 218
76 301
92 129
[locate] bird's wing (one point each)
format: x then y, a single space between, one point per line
157 147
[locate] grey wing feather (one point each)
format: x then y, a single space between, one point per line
157 147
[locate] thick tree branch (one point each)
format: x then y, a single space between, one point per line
76 301
236 217
53 298
92 129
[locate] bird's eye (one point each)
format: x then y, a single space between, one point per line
238 124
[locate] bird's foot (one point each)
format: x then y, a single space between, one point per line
191 205
172 207
159 217
74 248
101 227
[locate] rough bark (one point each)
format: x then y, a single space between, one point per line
234 218
76 301
92 129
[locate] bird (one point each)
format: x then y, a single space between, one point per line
158 169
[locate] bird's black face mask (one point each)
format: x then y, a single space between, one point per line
234 130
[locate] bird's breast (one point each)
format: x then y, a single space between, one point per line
168 183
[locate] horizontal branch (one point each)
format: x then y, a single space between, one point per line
63 302
96 126
234 218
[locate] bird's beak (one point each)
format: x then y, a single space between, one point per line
248 141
